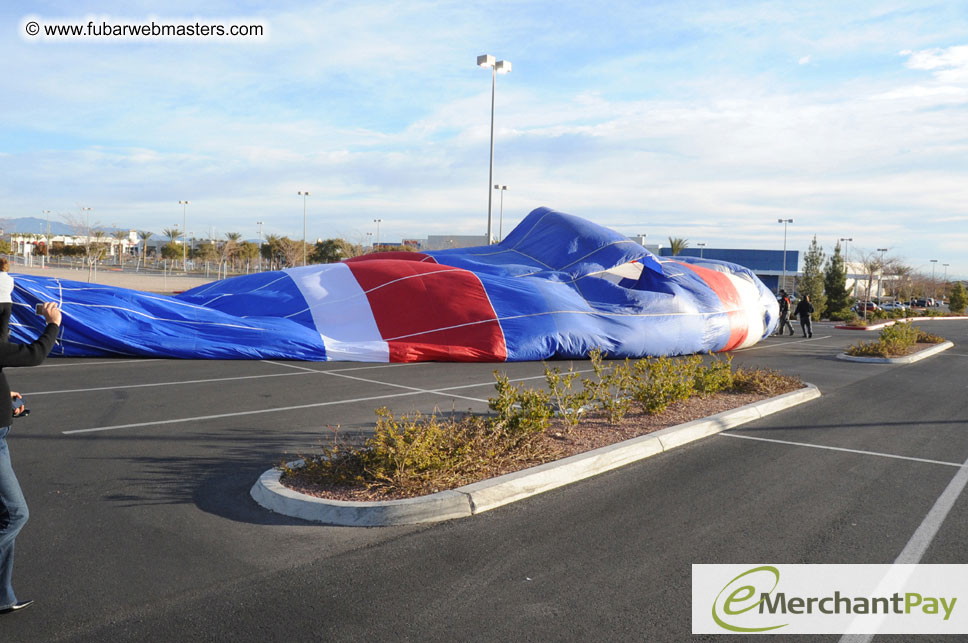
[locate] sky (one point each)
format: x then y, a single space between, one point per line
703 120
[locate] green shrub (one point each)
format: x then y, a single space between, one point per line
520 411
897 339
844 315
763 381
867 349
610 388
570 402
925 337
714 377
662 381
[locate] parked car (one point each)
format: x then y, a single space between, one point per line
920 303
869 305
895 305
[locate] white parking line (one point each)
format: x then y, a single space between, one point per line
787 343
305 371
200 418
830 448
363 379
923 536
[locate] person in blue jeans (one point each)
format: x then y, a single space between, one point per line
13 505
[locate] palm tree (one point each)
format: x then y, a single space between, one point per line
119 236
144 235
230 247
677 245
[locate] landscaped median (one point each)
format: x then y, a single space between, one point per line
900 343
466 475
878 325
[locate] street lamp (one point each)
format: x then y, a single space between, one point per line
500 224
504 67
184 205
934 287
259 223
880 277
846 268
304 194
784 222
701 246
377 222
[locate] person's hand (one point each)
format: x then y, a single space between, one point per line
52 313
14 395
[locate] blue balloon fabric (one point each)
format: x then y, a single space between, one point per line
557 287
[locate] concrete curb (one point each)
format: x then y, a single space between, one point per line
907 359
488 494
894 321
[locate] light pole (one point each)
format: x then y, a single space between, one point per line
259 223
184 205
701 246
369 243
377 222
504 67
846 269
500 224
880 276
784 222
304 194
934 287
43 256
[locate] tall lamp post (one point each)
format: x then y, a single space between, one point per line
945 290
184 205
701 246
784 222
500 221
880 277
504 67
43 257
377 222
846 268
304 194
934 287
259 223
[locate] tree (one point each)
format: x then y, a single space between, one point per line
835 284
120 236
677 245
144 235
958 298
327 251
171 233
812 282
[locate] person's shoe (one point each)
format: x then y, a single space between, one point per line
791 333
17 606
810 335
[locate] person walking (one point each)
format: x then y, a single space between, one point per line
784 314
803 311
13 505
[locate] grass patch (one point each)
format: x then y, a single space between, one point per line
414 454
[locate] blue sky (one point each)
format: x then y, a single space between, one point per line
704 120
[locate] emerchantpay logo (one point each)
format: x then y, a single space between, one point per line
829 599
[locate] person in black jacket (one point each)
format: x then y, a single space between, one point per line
13 506
784 314
803 311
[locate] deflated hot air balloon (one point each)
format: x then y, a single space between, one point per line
557 287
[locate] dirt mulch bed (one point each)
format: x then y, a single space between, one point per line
560 441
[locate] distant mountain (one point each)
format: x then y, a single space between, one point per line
39 226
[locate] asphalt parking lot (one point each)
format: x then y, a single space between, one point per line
137 473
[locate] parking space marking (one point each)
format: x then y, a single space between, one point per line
441 391
306 371
94 362
789 343
363 379
923 536
832 448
